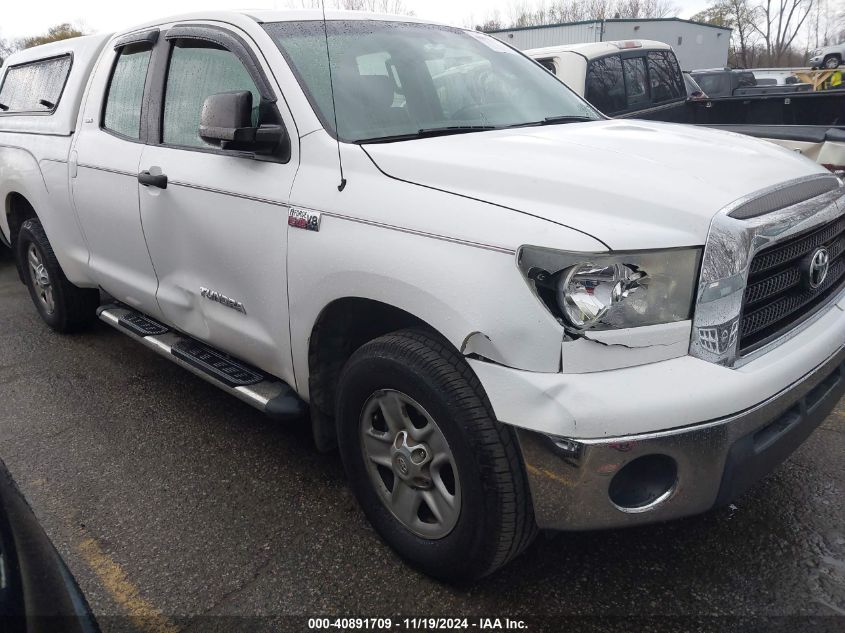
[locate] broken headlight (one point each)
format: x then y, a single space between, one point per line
613 290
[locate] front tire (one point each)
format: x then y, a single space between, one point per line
832 62
62 306
438 477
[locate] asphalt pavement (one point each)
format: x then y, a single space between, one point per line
171 500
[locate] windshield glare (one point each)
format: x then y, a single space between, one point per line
398 78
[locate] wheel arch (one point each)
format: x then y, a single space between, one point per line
343 326
17 210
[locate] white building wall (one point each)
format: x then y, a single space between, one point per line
523 39
696 45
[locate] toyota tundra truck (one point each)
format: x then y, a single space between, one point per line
504 310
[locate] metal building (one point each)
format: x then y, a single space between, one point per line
697 45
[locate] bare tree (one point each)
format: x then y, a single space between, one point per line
779 23
645 9
492 22
826 24
62 31
375 6
5 49
741 17
744 32
523 13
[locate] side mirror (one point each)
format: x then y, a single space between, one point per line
226 121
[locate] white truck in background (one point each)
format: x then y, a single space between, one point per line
506 311
641 79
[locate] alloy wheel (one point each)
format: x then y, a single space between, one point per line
40 280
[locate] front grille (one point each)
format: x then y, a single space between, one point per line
777 296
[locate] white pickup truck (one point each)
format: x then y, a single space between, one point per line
642 79
507 311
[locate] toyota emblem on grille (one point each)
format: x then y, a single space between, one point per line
819 264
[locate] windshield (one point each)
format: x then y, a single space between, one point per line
394 80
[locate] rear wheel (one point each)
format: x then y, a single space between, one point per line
832 62
63 306
438 477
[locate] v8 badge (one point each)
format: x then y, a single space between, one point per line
304 219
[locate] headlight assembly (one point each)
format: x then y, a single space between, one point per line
614 290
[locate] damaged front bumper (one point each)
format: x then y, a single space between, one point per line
622 481
667 439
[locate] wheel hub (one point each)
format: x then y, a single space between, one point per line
42 278
410 464
410 461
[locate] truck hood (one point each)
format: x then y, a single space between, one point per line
630 184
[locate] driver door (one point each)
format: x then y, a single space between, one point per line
217 229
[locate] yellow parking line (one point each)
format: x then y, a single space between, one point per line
143 614
549 474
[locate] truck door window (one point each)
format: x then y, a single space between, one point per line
636 82
605 84
197 71
664 75
122 113
34 86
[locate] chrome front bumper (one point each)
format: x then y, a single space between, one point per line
715 461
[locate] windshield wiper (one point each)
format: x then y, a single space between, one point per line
555 120
429 132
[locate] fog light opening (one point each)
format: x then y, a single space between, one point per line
644 483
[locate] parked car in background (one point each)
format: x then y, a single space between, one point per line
501 306
828 57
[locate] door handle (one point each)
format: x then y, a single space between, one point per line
149 180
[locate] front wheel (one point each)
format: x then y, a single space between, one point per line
832 62
62 306
438 477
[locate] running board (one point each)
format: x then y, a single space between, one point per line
266 393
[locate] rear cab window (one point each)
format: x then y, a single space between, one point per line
665 77
636 82
125 95
34 87
605 87
617 84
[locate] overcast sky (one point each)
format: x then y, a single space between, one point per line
22 18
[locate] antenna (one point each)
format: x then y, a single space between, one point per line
342 184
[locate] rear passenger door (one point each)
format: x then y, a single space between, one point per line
217 233
104 174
